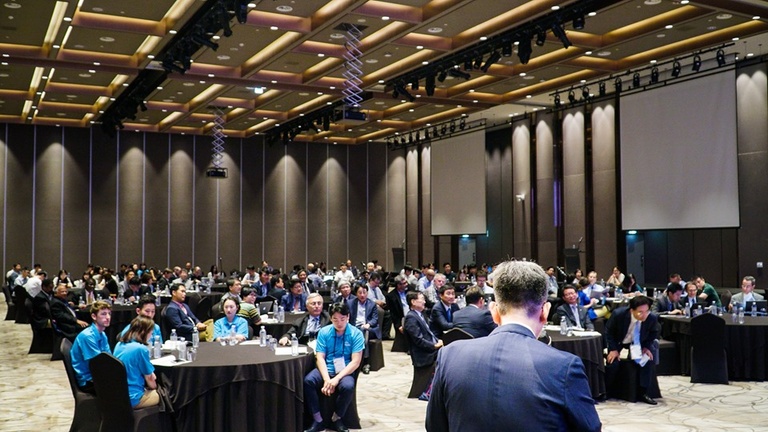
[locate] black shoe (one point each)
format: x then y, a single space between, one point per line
647 399
316 427
366 369
340 426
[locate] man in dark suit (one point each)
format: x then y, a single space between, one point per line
363 312
396 302
306 328
64 318
474 319
621 331
575 315
296 299
523 382
424 343
691 291
179 316
669 304
41 306
443 311
135 290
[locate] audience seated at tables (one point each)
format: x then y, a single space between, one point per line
669 304
621 331
575 315
248 308
747 293
475 318
234 287
222 327
183 279
707 293
587 285
90 293
307 327
41 306
63 314
442 314
424 344
215 275
12 274
132 350
306 285
343 275
108 283
179 316
21 279
146 308
630 285
339 351
296 299
264 285
166 280
89 343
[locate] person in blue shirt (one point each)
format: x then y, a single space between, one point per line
132 350
339 351
222 326
146 308
90 343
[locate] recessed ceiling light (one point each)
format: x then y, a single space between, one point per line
93 71
223 57
652 2
284 8
583 81
588 53
435 30
653 61
211 75
684 2
215 37
379 103
712 28
483 38
381 81
385 18
12 5
57 46
756 17
668 26
750 54
3 75
273 28
522 74
159 87
172 31
320 55
202 82
425 62
273 82
419 47
555 7
372 61
387 54
724 16
96 64
603 53
661 35
592 14
150 56
734 39
337 36
188 84
107 39
529 77
67 19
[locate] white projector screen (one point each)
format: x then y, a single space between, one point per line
458 185
679 156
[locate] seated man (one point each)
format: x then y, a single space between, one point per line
365 316
670 303
41 306
747 293
296 300
339 351
443 311
233 289
179 316
475 319
278 288
64 316
634 328
575 315
424 344
89 343
344 292
90 293
707 292
135 290
306 328
146 308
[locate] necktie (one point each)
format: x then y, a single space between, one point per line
669 308
575 311
448 313
636 334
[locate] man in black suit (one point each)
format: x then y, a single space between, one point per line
135 290
396 302
692 292
306 328
41 306
575 315
474 319
443 311
424 343
670 303
622 332
63 315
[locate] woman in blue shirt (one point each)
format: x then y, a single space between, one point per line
132 350
222 326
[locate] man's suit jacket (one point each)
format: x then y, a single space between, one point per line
421 338
664 305
739 298
175 318
287 302
64 318
41 311
299 327
523 382
143 289
564 310
439 318
475 321
371 316
395 307
618 325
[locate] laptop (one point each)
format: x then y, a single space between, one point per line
265 307
461 286
760 304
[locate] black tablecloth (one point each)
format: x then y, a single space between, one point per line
237 388
590 350
279 329
746 345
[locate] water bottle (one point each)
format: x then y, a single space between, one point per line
174 338
563 326
741 315
195 337
157 348
280 314
263 336
182 347
754 309
274 310
687 310
294 345
157 299
232 335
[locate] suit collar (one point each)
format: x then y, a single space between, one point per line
514 328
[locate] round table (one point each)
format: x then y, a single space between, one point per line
237 388
590 350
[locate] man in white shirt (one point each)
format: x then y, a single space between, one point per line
344 274
747 293
34 283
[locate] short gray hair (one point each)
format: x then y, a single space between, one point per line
519 285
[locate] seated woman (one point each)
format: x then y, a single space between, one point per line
617 277
248 308
131 349
630 286
222 326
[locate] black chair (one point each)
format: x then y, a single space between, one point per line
624 382
351 418
709 363
422 377
10 314
725 298
401 343
19 295
203 309
216 311
86 418
164 326
455 334
668 362
42 338
193 299
117 415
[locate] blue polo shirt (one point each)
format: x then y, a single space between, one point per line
155 332
333 345
135 358
88 344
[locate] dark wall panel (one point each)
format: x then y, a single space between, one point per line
296 205
337 213
130 193
656 263
182 183
157 201
508 199
396 203
708 255
104 203
359 222
378 237
680 254
412 205
428 252
545 188
77 144
7 261
48 196
19 204
521 176
274 210
229 238
317 202
489 246
205 206
253 200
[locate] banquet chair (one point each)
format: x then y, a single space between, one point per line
10 313
422 377
709 363
455 334
117 415
19 295
328 403
164 326
203 309
400 344
86 418
42 338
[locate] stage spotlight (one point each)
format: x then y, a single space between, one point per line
617 85
601 88
241 11
541 37
443 129
654 75
468 64
441 76
400 88
676 69
414 137
459 74
453 126
578 23
524 49
506 49
463 123
429 84
558 31
636 80
696 63
434 132
493 58
478 62
585 93
326 122
143 106
557 100
720 56
571 97
415 84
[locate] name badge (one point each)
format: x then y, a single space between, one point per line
635 351
339 364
